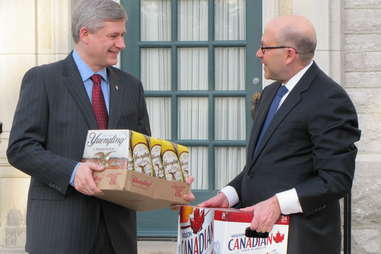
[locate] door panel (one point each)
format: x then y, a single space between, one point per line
196 59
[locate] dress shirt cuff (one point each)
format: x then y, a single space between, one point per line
73 174
231 195
289 202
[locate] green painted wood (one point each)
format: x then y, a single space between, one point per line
194 93
191 44
253 66
130 59
163 223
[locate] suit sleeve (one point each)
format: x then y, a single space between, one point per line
236 182
333 131
26 150
143 123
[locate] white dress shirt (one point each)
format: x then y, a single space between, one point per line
288 200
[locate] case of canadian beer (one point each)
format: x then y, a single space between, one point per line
141 172
222 231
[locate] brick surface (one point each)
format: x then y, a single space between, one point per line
365 194
362 4
370 134
366 241
362 61
362 20
362 42
361 80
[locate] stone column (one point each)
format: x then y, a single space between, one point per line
362 80
34 32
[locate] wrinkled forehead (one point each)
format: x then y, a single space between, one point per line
269 36
113 26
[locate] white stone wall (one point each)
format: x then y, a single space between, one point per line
33 32
362 79
349 49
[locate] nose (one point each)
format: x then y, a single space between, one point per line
120 43
259 53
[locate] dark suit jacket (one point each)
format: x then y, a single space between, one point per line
308 146
46 142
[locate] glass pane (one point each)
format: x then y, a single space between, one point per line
193 20
193 68
193 118
230 119
230 68
159 111
229 163
230 16
156 68
199 167
156 20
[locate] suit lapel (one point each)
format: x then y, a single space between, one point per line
290 102
116 92
74 84
257 125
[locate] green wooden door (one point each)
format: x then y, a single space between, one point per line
196 59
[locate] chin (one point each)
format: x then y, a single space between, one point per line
112 62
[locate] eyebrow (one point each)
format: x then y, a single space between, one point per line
116 33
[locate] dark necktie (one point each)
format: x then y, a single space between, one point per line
282 90
98 102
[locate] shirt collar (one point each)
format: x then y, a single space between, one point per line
295 79
84 70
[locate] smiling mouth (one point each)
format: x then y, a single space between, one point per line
113 52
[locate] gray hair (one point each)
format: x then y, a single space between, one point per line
92 14
304 43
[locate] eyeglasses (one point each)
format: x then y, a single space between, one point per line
276 47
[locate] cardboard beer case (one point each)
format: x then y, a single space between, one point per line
222 231
119 183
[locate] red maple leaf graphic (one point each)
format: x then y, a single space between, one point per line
278 238
197 221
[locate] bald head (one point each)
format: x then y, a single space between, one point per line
295 31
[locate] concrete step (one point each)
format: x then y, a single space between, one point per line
156 247
144 247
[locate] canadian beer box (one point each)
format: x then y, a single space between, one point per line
222 231
128 188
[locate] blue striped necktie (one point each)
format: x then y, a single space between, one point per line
282 90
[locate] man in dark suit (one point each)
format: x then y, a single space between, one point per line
58 104
301 155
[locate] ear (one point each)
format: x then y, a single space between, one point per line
291 55
84 34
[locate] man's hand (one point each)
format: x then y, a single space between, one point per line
220 200
84 181
266 213
189 197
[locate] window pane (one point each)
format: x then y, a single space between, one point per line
193 20
230 119
156 20
159 111
230 16
230 68
229 163
199 167
156 68
193 68
193 118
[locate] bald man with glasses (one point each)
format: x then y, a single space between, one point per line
301 153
